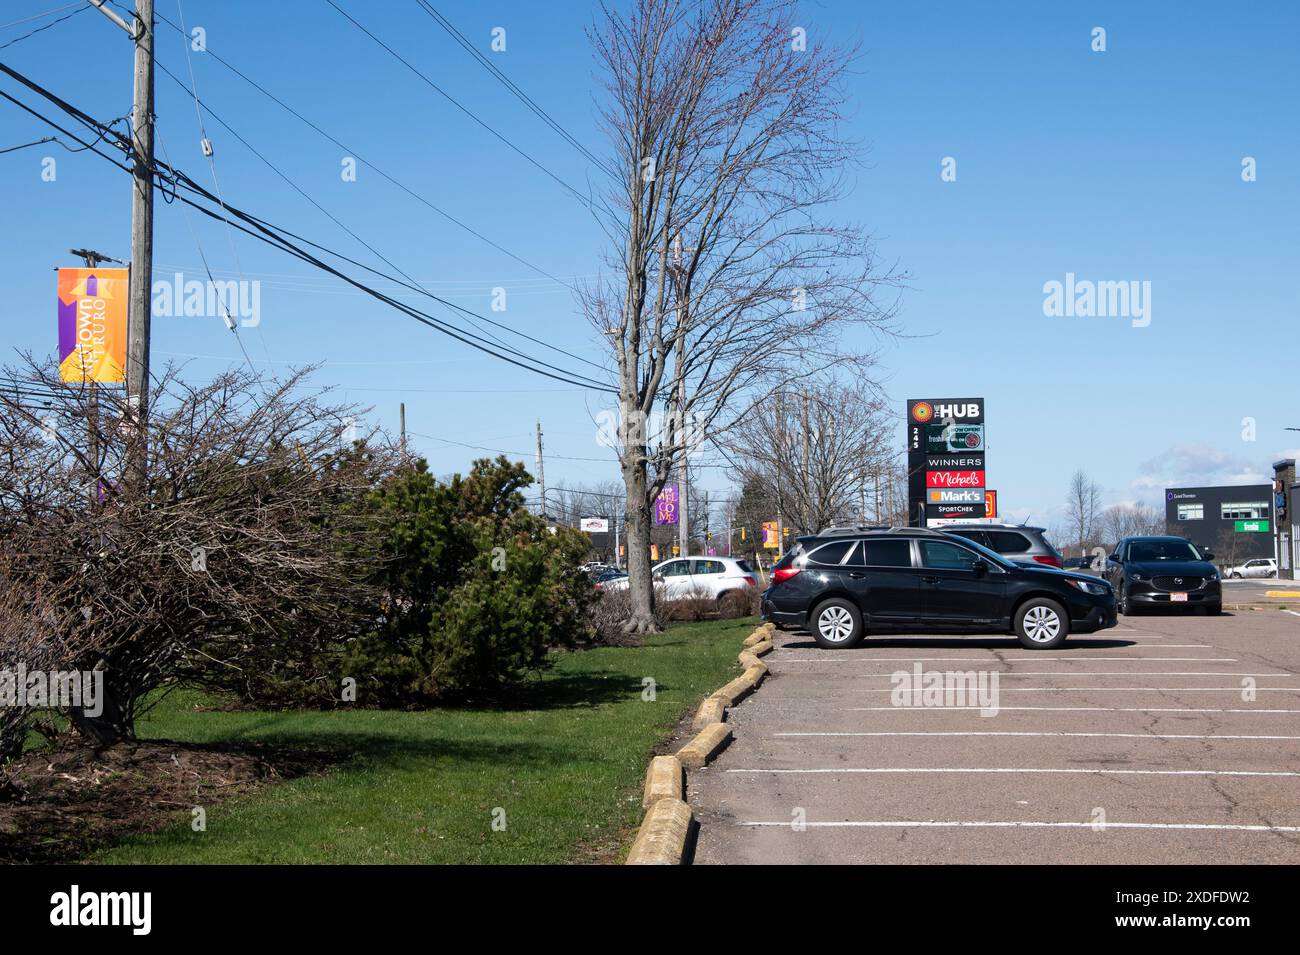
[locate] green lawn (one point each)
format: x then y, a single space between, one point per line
422 787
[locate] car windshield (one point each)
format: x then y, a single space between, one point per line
991 556
1163 550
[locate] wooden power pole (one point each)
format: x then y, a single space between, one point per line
137 335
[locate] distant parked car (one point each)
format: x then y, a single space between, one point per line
1163 572
682 577
1017 542
605 576
1259 567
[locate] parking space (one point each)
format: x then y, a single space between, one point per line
1168 739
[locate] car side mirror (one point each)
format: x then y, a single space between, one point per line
981 568
1209 555
659 577
1114 559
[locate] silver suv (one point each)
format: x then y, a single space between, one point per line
1012 541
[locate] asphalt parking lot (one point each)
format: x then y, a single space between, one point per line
1167 739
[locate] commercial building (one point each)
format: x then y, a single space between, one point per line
1235 522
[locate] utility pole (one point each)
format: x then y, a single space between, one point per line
541 469
141 32
401 418
137 335
683 492
706 520
807 469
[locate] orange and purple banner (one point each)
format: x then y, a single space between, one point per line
92 325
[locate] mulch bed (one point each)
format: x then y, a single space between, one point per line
59 804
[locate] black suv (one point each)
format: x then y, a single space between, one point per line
1163 572
841 587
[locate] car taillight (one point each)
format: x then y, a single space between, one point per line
782 574
750 580
1048 559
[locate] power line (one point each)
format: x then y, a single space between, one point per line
509 84
366 162
41 29
199 106
521 454
410 282
464 109
276 237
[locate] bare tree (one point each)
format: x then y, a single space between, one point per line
239 551
1083 510
820 452
1130 520
727 279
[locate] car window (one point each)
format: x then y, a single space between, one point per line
1162 550
829 554
676 568
978 537
708 567
1009 542
942 555
883 553
744 566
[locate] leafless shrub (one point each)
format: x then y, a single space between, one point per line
237 549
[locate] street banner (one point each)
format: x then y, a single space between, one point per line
666 505
771 535
92 325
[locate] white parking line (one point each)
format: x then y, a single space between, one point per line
888 770
966 824
1052 733
1140 673
1127 689
1037 657
1057 709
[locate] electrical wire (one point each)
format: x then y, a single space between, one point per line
586 202
362 160
41 29
509 84
276 237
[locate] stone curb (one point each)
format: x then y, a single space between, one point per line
668 822
663 834
663 780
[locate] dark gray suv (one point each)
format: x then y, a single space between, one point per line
1012 541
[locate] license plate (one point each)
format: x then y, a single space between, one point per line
1178 598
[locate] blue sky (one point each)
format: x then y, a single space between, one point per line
1115 165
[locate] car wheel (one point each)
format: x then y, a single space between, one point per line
1236 575
1214 609
1042 624
1121 601
836 624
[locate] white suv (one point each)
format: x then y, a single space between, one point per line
684 577
1259 567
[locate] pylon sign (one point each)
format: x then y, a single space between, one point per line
945 459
